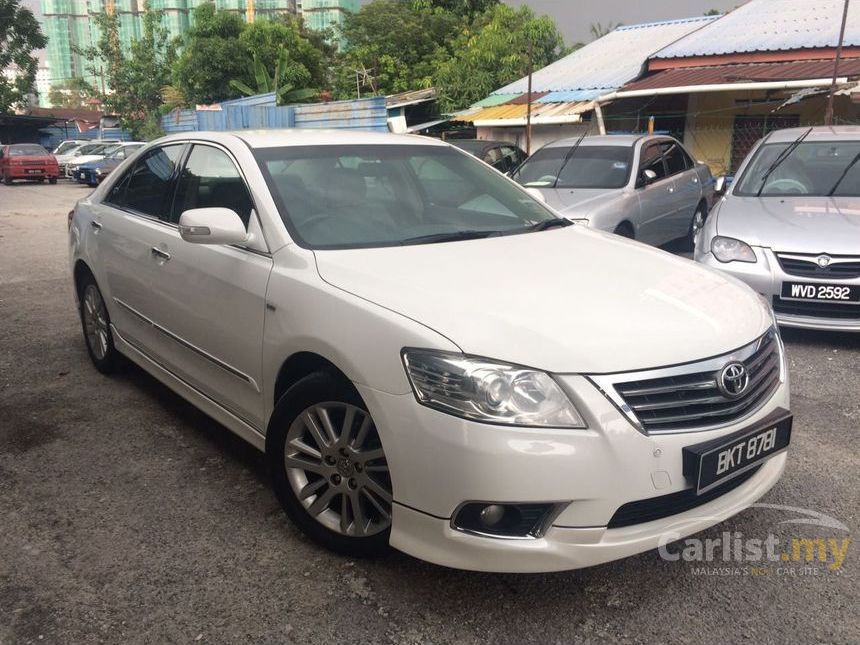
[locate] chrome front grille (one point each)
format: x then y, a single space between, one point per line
839 267
690 397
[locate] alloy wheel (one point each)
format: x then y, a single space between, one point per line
337 469
95 321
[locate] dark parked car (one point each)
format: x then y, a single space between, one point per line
27 161
93 172
501 155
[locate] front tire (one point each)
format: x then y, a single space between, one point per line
95 322
7 180
52 180
328 466
696 225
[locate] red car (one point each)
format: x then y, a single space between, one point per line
27 161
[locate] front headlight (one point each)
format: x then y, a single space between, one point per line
728 249
482 390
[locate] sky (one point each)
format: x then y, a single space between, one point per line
574 17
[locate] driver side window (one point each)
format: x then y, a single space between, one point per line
652 159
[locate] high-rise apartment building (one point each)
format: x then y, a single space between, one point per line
70 26
328 14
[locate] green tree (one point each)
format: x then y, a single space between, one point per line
20 34
494 51
713 12
469 8
133 75
394 46
72 94
281 82
213 55
304 55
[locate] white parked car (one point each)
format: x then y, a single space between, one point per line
430 358
73 153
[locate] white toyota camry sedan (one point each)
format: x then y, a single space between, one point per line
430 358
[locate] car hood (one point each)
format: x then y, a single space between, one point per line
578 202
796 224
563 300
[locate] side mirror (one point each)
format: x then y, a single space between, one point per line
648 176
721 185
212 226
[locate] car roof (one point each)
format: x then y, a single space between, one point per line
818 133
307 137
622 140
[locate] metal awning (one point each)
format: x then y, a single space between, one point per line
511 115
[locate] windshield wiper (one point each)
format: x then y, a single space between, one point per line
782 157
568 156
550 223
844 174
451 236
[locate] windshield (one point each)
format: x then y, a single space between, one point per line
66 146
27 151
813 169
89 149
588 167
335 197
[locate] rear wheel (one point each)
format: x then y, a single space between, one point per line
7 180
52 180
328 466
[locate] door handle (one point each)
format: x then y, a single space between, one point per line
96 225
157 252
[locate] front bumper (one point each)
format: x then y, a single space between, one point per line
766 276
86 176
438 462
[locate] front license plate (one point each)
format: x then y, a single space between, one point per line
34 171
83 175
845 293
715 462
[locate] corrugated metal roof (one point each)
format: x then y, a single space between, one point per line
608 62
541 112
759 72
771 25
570 96
496 99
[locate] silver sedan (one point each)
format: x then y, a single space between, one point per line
645 187
790 226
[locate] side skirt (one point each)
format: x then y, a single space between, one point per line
190 393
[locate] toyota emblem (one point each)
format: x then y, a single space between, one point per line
733 380
823 260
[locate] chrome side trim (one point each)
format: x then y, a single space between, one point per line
218 363
606 383
181 380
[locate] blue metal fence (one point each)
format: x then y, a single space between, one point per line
51 137
260 112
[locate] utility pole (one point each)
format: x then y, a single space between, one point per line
529 101
828 115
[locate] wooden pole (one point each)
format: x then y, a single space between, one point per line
828 115
529 102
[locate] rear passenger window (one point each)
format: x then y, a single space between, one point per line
210 179
676 159
147 186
